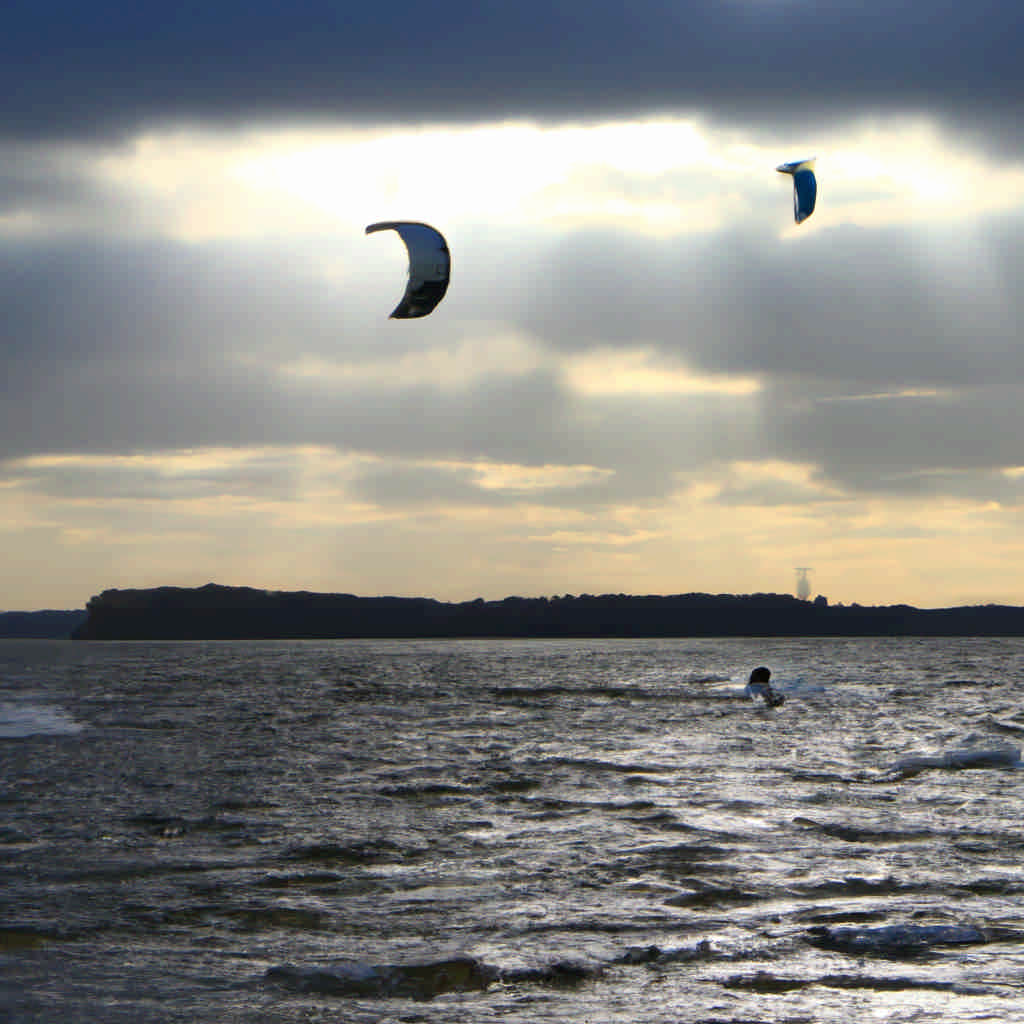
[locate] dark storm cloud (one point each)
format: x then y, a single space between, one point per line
92 69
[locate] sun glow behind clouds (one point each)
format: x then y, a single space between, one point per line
904 170
657 177
493 171
664 176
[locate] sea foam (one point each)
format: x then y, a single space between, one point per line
21 719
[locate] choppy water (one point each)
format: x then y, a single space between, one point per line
518 831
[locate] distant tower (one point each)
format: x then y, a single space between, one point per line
803 584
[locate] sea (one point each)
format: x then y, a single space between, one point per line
511 830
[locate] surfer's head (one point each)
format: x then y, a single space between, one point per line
761 675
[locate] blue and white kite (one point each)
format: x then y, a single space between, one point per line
805 187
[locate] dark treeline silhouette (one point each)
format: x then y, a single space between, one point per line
226 613
40 625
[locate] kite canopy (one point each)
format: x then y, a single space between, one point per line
805 187
429 266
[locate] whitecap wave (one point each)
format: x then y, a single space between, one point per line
20 719
1003 755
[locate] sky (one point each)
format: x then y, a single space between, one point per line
644 378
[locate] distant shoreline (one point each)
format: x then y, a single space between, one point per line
215 612
41 625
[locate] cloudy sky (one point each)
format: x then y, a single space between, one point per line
644 378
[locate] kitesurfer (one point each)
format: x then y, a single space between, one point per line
759 686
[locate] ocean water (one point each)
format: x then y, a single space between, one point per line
523 831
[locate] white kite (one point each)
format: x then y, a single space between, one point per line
429 266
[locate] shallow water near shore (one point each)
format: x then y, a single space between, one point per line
574 831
